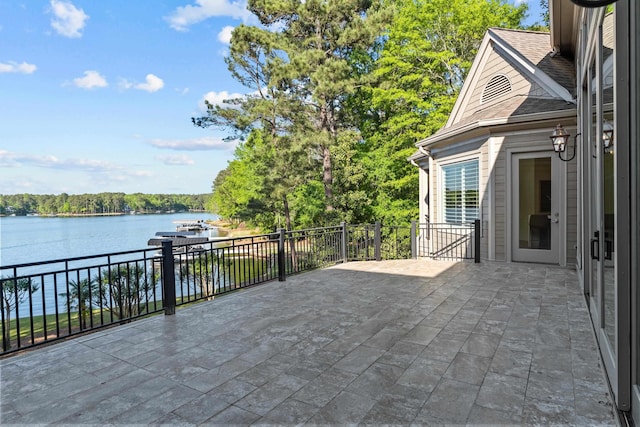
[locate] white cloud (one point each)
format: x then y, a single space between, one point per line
13 159
90 80
152 84
194 144
184 16
68 20
225 34
176 160
217 98
519 2
98 172
14 67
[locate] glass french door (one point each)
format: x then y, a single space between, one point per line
602 174
535 208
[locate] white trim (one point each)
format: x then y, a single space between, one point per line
525 118
493 150
492 41
457 145
471 81
536 73
525 148
450 160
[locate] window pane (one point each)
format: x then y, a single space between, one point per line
534 195
461 195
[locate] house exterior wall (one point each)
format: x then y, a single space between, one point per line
494 157
423 191
496 65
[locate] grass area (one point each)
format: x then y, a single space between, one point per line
68 323
236 272
232 229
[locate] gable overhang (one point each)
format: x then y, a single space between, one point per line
563 15
493 41
531 69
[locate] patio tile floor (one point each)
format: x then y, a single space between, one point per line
409 342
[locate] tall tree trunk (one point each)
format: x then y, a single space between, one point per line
327 124
327 177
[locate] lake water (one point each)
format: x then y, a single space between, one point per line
35 239
25 239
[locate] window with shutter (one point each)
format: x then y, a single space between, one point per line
461 192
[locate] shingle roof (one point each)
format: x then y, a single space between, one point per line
511 107
536 47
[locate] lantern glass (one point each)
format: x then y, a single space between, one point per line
559 139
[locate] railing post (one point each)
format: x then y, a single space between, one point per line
377 240
414 239
6 335
345 242
282 274
168 278
476 241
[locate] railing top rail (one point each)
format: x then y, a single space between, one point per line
330 228
80 258
457 224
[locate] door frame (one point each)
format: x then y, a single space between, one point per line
616 356
561 172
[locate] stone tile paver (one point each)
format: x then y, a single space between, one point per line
408 342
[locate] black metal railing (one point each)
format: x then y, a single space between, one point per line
446 241
369 242
213 268
306 250
46 301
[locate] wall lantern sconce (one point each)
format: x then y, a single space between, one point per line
559 138
607 137
593 3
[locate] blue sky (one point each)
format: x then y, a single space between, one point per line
97 96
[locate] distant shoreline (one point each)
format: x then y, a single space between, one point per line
80 215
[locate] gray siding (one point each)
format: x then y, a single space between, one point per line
494 203
495 65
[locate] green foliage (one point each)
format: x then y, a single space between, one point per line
13 293
301 74
544 14
308 205
340 92
98 204
82 296
426 56
126 289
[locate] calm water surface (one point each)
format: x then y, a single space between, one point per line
26 239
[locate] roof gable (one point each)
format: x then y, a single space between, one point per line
512 64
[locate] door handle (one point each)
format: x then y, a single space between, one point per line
595 246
